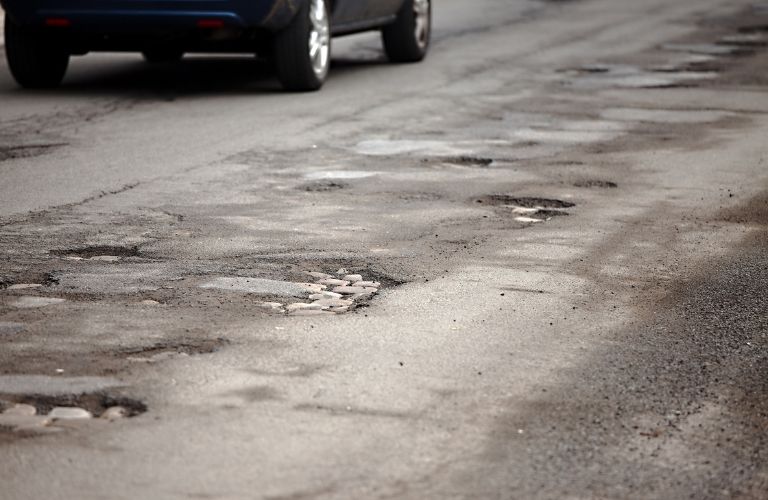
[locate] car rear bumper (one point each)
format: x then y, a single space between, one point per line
124 16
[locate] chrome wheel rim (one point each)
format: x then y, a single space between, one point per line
319 38
422 18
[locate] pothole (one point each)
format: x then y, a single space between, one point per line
27 150
323 186
28 281
164 350
528 209
98 252
595 76
31 415
462 160
524 202
595 183
95 403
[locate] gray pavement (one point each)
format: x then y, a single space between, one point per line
561 217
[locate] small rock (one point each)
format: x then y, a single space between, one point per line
353 278
319 276
105 258
339 310
334 282
372 284
312 287
302 306
21 410
114 413
333 303
69 413
361 296
24 286
341 272
72 257
24 422
150 302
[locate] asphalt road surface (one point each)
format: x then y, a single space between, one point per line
562 217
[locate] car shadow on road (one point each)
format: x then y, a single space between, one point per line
194 76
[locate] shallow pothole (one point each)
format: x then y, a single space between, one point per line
323 186
527 209
595 183
161 350
524 202
89 252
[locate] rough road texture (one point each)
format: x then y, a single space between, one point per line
565 210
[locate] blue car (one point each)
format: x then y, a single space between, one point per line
41 35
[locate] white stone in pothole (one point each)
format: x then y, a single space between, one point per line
258 286
31 302
24 422
54 386
333 303
69 413
353 278
24 286
334 282
340 174
325 295
528 219
313 287
114 413
339 310
21 409
299 306
663 115
150 302
368 284
105 258
10 328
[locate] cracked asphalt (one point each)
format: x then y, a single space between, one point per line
544 253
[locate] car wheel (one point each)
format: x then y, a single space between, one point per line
33 57
407 39
162 55
303 49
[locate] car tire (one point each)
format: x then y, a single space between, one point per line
408 38
33 57
302 54
158 55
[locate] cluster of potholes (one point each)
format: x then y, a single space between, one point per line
327 294
36 414
690 62
527 209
